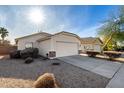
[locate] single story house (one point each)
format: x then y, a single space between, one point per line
91 44
56 45
30 40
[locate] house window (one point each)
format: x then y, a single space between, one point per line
29 45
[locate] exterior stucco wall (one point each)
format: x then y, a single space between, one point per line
44 47
63 38
50 45
21 42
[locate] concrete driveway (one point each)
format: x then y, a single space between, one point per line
99 66
112 70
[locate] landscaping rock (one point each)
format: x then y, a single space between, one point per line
35 52
55 63
67 75
15 54
92 53
112 54
29 60
46 80
29 52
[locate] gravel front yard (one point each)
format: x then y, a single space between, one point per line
14 73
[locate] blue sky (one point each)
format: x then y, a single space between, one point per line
81 20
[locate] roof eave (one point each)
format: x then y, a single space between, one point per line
32 35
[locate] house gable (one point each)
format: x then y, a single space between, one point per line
21 42
33 35
58 34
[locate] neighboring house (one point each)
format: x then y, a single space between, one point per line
91 44
57 45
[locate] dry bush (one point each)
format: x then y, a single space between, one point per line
46 80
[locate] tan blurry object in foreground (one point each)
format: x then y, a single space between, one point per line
46 80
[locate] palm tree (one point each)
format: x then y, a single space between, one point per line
3 33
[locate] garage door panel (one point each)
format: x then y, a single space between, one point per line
66 48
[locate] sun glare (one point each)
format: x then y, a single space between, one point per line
36 16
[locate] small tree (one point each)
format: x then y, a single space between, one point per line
4 33
113 29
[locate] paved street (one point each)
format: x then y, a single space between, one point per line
118 80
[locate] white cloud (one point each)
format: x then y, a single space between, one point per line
2 19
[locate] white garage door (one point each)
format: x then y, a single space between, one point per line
66 48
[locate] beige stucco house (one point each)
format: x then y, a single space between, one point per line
56 45
91 44
59 44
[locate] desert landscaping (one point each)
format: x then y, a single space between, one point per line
15 73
